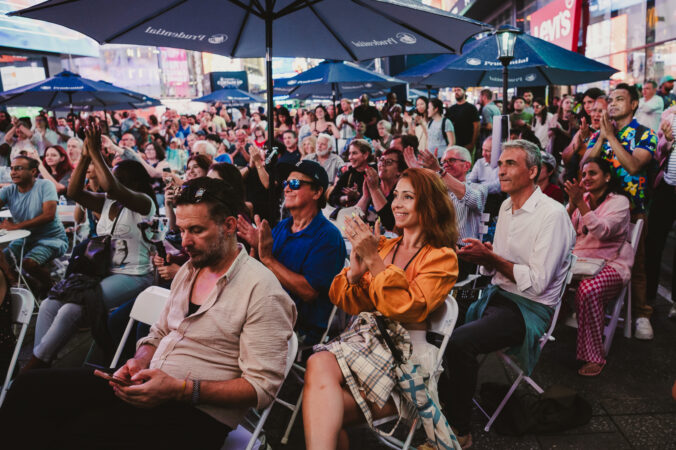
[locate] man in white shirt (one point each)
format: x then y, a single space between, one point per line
482 172
345 123
650 107
531 256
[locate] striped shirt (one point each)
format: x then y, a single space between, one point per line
469 208
670 172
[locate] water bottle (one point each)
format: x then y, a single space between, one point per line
62 200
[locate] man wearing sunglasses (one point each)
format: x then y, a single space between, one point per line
305 251
32 203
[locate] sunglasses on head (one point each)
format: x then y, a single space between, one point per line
295 184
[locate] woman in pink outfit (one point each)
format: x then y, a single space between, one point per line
600 215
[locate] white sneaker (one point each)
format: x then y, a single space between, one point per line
672 312
644 330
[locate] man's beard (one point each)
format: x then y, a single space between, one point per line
213 254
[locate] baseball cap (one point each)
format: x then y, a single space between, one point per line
313 170
666 79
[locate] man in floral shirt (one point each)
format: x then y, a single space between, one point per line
629 147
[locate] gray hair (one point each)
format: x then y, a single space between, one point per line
462 151
209 148
533 153
330 142
76 140
387 125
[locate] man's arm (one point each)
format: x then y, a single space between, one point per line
47 215
632 162
293 282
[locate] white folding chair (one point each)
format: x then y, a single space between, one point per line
236 438
147 308
442 322
521 376
614 318
22 309
295 409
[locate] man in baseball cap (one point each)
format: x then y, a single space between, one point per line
305 251
664 91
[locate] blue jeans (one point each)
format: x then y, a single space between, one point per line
57 321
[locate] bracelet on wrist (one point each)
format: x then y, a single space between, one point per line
195 398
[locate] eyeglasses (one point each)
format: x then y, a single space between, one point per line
452 160
295 184
386 162
17 168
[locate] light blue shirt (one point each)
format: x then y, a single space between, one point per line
28 205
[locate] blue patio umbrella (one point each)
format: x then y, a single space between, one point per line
536 63
67 90
336 29
334 80
230 96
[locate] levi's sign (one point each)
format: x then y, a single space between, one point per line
558 23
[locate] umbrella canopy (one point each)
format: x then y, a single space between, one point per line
336 29
334 80
67 90
230 96
536 63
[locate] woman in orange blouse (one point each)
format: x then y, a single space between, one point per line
404 278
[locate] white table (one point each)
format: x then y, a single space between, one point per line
13 235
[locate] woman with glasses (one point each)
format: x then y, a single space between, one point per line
600 215
379 186
127 201
404 279
348 189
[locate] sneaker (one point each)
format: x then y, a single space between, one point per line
672 312
571 321
644 330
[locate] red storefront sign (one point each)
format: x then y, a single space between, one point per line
558 23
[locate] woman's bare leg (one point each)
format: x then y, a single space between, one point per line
324 386
323 398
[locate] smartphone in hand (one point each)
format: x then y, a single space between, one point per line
109 377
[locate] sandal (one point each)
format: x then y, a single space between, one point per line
590 369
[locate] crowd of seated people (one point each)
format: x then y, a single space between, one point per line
254 248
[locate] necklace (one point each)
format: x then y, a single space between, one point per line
394 255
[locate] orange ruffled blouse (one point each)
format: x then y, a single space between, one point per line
407 297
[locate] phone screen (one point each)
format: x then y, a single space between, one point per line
109 377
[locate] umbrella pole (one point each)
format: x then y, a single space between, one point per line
268 73
429 91
333 92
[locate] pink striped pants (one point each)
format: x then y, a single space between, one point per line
591 299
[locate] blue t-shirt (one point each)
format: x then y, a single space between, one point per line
318 253
28 205
223 158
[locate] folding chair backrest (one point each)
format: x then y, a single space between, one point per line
569 278
149 305
442 321
22 305
635 233
483 226
22 310
291 355
147 309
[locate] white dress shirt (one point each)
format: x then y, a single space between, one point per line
538 238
